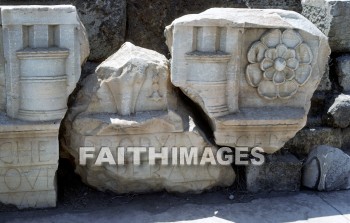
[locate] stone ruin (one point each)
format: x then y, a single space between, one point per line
131 103
253 72
41 51
238 78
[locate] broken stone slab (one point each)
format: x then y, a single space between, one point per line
343 71
278 173
44 47
253 72
130 102
132 80
327 169
339 112
331 17
41 51
134 178
28 163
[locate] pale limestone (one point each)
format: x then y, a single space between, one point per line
130 102
252 72
28 163
44 47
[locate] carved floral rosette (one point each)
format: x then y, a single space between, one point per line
279 63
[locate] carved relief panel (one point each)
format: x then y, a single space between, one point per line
253 72
279 63
43 60
40 59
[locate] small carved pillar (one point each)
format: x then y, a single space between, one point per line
42 51
40 59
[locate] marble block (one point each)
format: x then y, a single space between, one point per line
129 102
28 162
41 51
252 71
43 47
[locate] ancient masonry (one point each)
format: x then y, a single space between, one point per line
254 78
252 73
41 49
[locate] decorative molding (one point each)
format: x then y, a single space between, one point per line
279 63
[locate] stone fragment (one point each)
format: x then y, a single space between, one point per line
306 139
111 22
339 112
278 173
105 22
327 169
44 55
41 51
130 103
332 18
253 72
28 163
343 71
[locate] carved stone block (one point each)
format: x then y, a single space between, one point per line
41 50
28 163
253 72
130 103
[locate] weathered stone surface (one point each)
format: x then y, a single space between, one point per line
106 25
331 17
343 71
133 80
28 163
325 84
326 169
149 17
110 22
44 56
308 138
131 103
105 22
278 173
41 51
253 72
294 5
320 102
346 139
339 112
